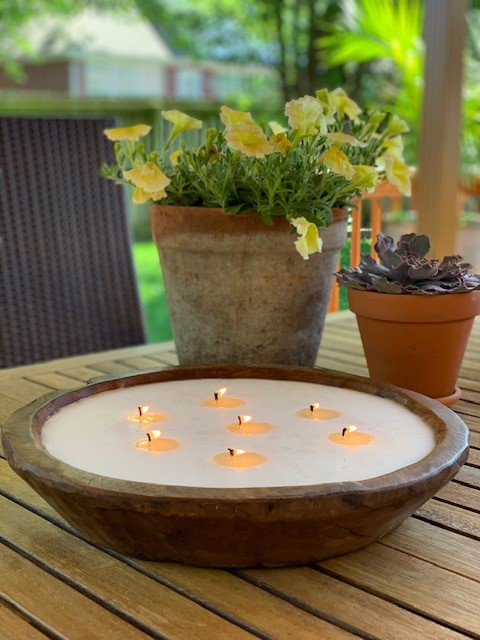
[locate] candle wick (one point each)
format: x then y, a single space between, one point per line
344 431
149 436
239 421
140 413
216 396
312 408
232 451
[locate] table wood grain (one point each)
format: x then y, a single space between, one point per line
420 582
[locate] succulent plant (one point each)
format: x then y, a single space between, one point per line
405 269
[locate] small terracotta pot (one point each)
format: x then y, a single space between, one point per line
237 289
416 342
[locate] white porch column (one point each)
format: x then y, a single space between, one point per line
439 156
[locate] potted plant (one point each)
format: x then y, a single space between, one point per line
414 314
237 287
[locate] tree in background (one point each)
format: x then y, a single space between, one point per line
15 14
385 35
283 33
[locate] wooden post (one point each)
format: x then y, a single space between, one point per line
440 130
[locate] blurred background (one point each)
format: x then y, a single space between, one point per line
132 58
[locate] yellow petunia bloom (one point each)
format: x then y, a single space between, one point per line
394 147
230 116
338 162
309 241
130 134
140 196
277 128
148 177
339 100
366 177
249 139
175 155
340 138
398 173
396 126
281 142
306 116
322 95
181 122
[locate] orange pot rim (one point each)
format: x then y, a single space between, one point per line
448 307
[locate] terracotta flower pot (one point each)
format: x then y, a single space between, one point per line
237 289
413 341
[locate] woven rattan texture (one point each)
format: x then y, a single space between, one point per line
67 284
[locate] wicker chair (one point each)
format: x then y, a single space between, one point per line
67 284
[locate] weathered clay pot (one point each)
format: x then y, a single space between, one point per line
416 342
237 289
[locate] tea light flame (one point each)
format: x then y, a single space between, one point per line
236 452
143 409
243 420
348 429
314 406
219 393
153 435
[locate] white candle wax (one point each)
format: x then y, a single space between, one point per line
94 434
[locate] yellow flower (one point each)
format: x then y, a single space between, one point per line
306 115
147 177
132 134
322 95
337 162
174 156
140 196
281 142
366 177
276 128
339 100
309 241
398 173
394 147
230 116
396 126
340 138
249 139
181 122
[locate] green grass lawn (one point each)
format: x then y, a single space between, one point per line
152 292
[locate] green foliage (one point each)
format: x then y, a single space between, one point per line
382 30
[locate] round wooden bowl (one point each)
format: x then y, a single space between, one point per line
277 526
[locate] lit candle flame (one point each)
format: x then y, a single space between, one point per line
219 393
243 420
236 452
153 435
349 429
143 409
314 406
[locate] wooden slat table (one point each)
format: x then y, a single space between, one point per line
420 582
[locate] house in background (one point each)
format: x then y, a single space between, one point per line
96 54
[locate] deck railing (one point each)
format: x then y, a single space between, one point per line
374 204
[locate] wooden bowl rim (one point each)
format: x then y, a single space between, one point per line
27 455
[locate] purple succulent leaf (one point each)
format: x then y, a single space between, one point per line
404 244
391 260
420 245
422 271
382 285
372 265
382 244
400 272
